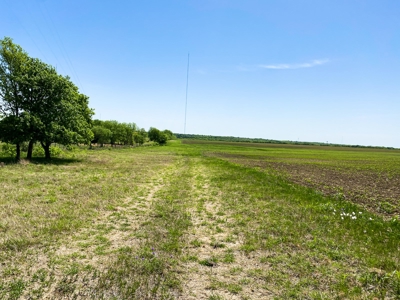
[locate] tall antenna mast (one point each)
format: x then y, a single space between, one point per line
187 85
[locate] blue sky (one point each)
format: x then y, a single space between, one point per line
323 70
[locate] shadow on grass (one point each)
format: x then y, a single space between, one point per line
41 161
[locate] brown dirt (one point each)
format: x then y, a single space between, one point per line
378 193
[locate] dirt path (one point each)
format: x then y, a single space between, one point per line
216 267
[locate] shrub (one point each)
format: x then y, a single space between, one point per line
8 149
55 151
38 151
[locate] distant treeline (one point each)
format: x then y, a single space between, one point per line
264 141
115 133
110 133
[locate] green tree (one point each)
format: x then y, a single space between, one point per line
157 136
13 63
38 104
169 134
57 112
153 134
121 133
130 128
102 135
140 136
118 132
162 138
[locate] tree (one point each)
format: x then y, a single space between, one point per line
169 134
130 128
102 135
140 136
153 134
13 65
162 138
38 104
12 131
118 132
57 112
157 136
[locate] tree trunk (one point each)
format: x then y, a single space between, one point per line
18 154
46 147
30 149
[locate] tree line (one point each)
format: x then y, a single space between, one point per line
115 133
266 141
38 105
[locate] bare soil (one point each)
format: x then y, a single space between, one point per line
378 193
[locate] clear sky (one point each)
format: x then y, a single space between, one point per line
307 70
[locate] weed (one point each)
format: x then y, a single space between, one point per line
192 258
196 243
228 257
216 245
209 262
65 287
236 270
234 288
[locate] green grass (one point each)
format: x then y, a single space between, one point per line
213 219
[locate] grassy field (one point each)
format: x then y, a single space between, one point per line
202 220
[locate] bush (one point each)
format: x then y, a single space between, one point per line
8 149
38 151
161 137
55 151
169 134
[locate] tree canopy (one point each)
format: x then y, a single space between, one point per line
39 105
114 133
160 137
13 65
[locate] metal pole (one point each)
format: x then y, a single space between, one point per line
187 85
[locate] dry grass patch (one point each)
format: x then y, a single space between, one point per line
62 222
